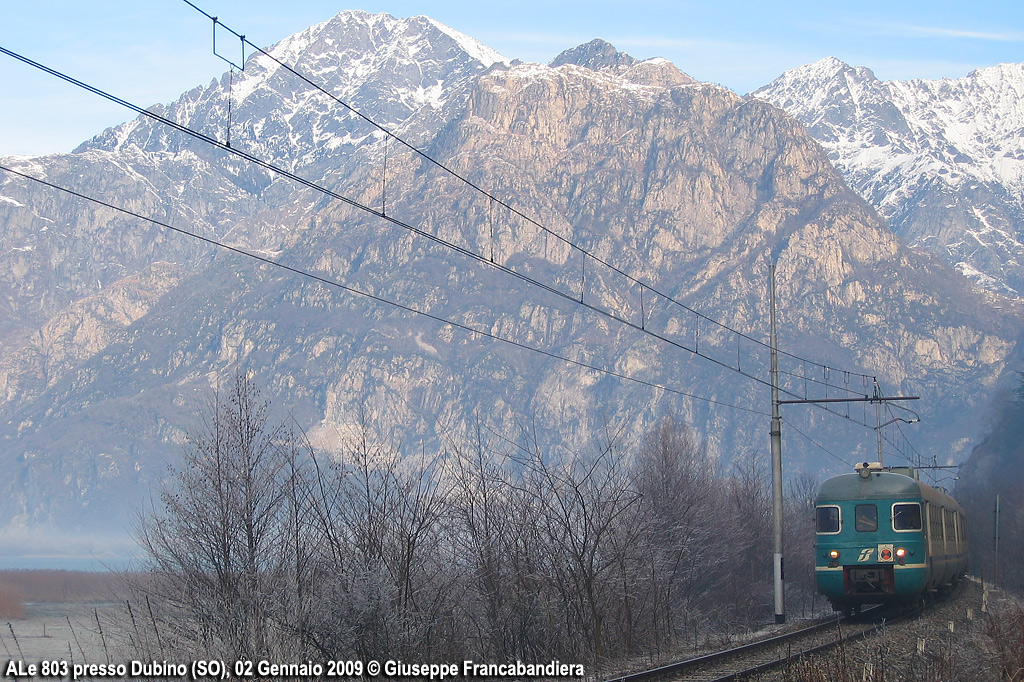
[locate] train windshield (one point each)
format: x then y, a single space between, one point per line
906 516
827 520
866 516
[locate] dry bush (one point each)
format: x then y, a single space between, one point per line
495 548
11 603
58 586
1005 630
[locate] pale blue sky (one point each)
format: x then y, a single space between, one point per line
149 51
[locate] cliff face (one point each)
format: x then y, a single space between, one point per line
682 185
694 187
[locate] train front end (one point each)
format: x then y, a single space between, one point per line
870 543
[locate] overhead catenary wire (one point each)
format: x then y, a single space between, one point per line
567 295
469 253
374 297
918 457
818 445
489 195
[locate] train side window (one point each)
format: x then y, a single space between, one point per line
935 523
826 519
866 516
906 516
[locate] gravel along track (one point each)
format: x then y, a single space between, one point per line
910 644
949 640
760 655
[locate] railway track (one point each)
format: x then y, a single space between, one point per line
764 655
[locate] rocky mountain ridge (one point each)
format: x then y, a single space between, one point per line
683 185
942 160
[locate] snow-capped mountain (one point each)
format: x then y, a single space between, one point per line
117 329
394 66
942 160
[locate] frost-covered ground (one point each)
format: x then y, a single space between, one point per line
58 632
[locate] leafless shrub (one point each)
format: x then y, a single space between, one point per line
60 585
798 510
12 604
390 525
1005 631
496 548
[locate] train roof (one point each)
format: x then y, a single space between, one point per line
880 485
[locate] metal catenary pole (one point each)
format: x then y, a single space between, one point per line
776 436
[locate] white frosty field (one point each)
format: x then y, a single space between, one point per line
56 632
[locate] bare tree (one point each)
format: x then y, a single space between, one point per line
227 544
801 491
680 526
744 578
387 531
485 538
500 550
580 503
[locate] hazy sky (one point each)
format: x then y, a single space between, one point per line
149 51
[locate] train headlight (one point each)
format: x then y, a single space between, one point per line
834 554
901 556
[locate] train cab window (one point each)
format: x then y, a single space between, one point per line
906 516
866 518
826 520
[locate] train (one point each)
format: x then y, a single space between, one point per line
884 537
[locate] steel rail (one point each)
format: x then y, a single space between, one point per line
688 666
